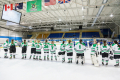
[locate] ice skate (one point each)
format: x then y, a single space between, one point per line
11 57
56 59
30 57
71 61
82 62
116 65
40 59
63 61
14 56
51 59
47 58
77 62
44 58
5 56
102 63
36 58
25 57
106 64
68 61
22 57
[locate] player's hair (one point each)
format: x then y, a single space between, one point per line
63 42
52 41
12 41
24 41
80 41
104 43
45 40
69 41
117 43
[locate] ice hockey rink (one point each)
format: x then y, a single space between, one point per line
19 69
59 20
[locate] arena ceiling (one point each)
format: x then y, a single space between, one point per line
68 15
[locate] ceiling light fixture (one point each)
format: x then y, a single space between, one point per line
60 20
82 8
111 15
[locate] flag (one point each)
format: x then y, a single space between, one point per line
8 7
49 2
63 1
34 6
18 6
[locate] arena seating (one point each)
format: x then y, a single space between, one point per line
90 34
33 36
42 36
39 36
90 43
45 36
71 35
105 32
55 35
29 36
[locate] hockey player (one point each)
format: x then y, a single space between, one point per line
62 51
105 50
53 50
33 49
24 49
69 50
12 49
46 50
116 50
38 50
79 49
5 46
93 54
15 45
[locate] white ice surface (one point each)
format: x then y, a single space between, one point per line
18 69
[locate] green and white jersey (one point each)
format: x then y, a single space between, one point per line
22 44
62 47
10 44
105 49
93 49
113 46
83 44
69 47
33 44
15 43
53 48
116 50
46 47
6 45
79 48
38 47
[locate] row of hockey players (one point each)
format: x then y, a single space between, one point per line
37 46
107 51
68 48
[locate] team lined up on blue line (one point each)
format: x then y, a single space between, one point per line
107 52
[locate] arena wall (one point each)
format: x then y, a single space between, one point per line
7 34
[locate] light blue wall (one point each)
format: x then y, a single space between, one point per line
10 38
